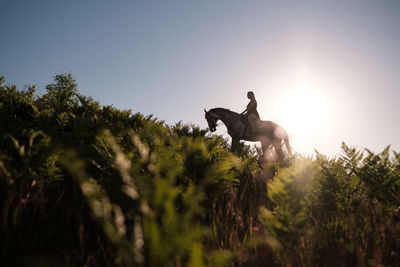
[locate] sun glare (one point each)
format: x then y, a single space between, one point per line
304 113
301 101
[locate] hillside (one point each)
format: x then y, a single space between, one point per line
88 185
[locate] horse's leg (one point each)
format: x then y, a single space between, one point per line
235 144
278 148
287 144
265 143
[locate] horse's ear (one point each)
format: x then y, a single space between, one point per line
205 111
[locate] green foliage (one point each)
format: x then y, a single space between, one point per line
342 211
62 95
88 185
288 191
106 182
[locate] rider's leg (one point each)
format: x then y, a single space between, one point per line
252 119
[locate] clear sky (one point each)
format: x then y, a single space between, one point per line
327 71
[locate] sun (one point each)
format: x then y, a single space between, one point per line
304 113
301 101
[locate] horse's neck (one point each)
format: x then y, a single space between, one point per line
225 115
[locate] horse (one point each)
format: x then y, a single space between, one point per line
266 132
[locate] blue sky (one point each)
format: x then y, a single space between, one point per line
327 71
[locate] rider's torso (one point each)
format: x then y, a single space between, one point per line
252 108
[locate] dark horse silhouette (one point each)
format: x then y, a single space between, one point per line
267 132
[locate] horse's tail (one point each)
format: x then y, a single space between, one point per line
287 144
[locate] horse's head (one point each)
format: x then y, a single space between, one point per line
212 121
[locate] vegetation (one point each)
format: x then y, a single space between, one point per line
88 185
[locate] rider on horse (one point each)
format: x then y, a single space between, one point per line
251 112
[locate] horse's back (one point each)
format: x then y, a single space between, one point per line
271 123
270 128
268 125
